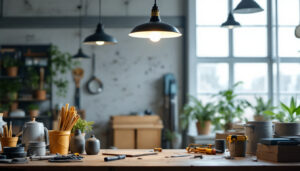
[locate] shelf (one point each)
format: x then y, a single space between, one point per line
26 118
8 77
24 100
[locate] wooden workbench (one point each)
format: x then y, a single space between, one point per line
156 163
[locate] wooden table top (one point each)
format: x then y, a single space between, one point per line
160 160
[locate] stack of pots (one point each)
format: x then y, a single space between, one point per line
255 131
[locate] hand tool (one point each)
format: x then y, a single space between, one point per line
157 149
120 157
77 75
197 148
175 156
94 85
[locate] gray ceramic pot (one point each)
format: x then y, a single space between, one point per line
36 149
92 146
287 129
255 131
77 143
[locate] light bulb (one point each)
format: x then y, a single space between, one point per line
154 36
99 42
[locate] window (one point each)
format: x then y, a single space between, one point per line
262 53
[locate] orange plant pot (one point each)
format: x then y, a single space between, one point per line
59 142
12 71
9 142
40 94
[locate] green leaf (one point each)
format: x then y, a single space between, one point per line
284 107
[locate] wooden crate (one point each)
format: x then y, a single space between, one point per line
278 153
137 132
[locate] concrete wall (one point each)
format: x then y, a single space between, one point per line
131 71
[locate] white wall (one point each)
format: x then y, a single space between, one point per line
131 71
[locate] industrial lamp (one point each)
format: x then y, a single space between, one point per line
100 37
80 54
247 6
230 23
155 29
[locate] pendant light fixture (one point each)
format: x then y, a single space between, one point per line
80 54
100 37
247 7
230 23
155 29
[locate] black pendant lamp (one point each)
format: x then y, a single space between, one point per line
155 29
80 54
100 37
230 23
247 7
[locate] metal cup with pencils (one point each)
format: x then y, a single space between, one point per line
6 138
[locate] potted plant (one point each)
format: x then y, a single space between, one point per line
12 88
288 118
83 125
260 108
41 93
4 109
229 107
11 65
203 114
33 110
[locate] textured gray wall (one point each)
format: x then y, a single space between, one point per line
131 71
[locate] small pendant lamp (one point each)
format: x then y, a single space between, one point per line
100 37
247 7
155 29
80 54
230 23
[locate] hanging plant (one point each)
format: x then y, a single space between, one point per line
61 65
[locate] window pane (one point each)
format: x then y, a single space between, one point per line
206 99
288 44
212 42
250 42
253 76
259 18
289 77
212 78
286 99
288 12
211 12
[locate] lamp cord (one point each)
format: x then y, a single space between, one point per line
99 11
80 23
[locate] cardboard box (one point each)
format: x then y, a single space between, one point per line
278 153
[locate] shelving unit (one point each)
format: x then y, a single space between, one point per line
31 57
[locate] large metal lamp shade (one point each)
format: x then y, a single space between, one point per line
100 37
155 29
247 6
230 23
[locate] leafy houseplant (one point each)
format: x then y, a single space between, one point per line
33 110
61 64
12 87
260 108
287 117
196 110
11 65
83 125
33 79
229 108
